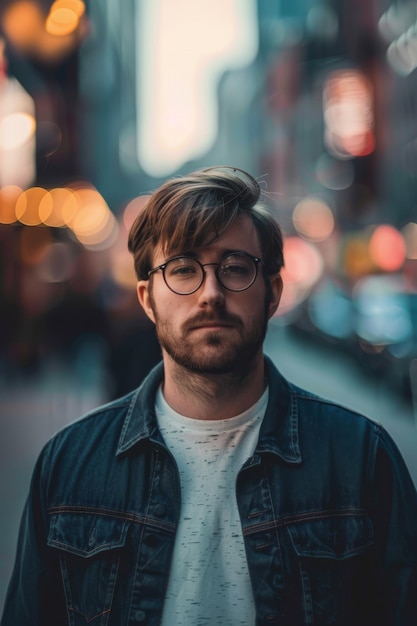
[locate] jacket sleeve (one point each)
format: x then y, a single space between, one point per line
395 524
35 595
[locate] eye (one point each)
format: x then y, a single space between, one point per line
182 268
236 266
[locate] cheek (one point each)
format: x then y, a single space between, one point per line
166 308
250 309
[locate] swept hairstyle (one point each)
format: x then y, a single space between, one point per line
193 210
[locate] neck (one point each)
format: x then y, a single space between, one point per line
212 396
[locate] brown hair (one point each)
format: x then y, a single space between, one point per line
192 210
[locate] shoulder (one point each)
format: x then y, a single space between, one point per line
318 422
306 405
96 432
332 416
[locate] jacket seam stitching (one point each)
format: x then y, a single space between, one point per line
132 517
305 517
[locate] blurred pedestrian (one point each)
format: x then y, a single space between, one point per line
218 492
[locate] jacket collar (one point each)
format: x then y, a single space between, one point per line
140 422
279 431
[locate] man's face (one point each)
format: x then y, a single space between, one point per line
213 330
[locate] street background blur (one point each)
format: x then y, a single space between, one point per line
100 101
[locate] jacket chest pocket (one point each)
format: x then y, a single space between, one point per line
333 566
90 550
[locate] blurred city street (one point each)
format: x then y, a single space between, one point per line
102 101
33 411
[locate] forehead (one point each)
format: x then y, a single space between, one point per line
241 235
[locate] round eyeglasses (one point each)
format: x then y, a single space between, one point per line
184 275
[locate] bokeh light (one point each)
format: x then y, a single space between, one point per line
21 21
348 114
382 313
27 206
93 224
58 207
15 130
64 17
397 19
75 6
303 268
49 38
8 198
313 219
387 248
402 53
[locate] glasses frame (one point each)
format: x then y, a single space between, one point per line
256 261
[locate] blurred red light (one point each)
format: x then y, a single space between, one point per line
387 248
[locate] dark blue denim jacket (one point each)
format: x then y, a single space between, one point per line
328 512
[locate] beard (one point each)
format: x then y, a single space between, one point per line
231 350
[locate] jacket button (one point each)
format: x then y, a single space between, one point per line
159 510
140 616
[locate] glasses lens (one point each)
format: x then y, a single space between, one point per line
183 275
237 272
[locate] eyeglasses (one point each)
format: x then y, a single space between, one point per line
184 275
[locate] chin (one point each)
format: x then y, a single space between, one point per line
212 369
215 364
215 356
208 365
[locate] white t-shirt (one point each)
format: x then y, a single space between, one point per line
209 580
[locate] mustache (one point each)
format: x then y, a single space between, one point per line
212 318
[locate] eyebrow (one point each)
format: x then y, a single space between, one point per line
193 254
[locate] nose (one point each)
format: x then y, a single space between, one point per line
211 291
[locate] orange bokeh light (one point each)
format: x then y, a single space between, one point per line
8 198
21 22
64 17
75 6
58 207
27 206
48 37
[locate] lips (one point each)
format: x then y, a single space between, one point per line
211 325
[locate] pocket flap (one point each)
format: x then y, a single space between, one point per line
333 537
85 534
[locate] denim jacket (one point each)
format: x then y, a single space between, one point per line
327 507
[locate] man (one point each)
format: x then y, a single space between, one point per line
217 493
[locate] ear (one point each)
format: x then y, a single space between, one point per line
276 293
142 289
